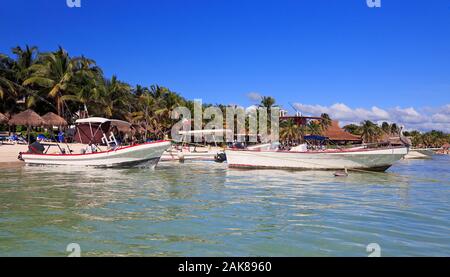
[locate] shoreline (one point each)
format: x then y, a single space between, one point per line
10 152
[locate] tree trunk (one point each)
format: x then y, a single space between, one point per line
28 135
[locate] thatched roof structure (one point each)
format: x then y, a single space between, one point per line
52 119
27 118
335 133
3 118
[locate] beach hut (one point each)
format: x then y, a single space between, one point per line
27 118
3 119
52 119
339 136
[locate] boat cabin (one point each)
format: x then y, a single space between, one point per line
98 130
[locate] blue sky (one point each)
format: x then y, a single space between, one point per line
324 55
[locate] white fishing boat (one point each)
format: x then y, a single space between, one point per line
191 153
300 158
97 134
187 151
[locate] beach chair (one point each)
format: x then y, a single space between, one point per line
15 139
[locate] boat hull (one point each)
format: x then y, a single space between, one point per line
138 155
366 159
420 154
187 155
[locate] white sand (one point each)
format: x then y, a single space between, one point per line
9 153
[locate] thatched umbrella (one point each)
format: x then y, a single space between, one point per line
27 118
52 119
3 118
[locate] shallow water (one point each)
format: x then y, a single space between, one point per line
205 209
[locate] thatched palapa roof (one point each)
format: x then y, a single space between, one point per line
334 132
52 119
27 118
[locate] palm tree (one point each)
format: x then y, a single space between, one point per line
8 86
12 74
325 121
166 101
140 90
291 132
314 128
353 129
55 72
370 131
416 138
267 102
87 77
148 105
395 130
114 98
25 58
386 127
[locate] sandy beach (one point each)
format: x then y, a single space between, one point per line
9 153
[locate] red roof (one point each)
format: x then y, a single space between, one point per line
334 132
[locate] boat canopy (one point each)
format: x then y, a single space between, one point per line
93 129
313 137
101 120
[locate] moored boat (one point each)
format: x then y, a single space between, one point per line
373 159
187 151
93 132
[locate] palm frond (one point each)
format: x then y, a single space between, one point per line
39 81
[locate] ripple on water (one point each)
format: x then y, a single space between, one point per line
198 209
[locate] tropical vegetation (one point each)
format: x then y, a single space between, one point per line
56 82
372 132
76 86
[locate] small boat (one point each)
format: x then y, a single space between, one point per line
92 132
301 158
187 151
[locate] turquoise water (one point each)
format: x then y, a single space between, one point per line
204 209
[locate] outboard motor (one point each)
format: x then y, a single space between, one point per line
36 148
220 157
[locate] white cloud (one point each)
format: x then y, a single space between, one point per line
407 115
441 118
254 96
343 112
446 109
423 119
